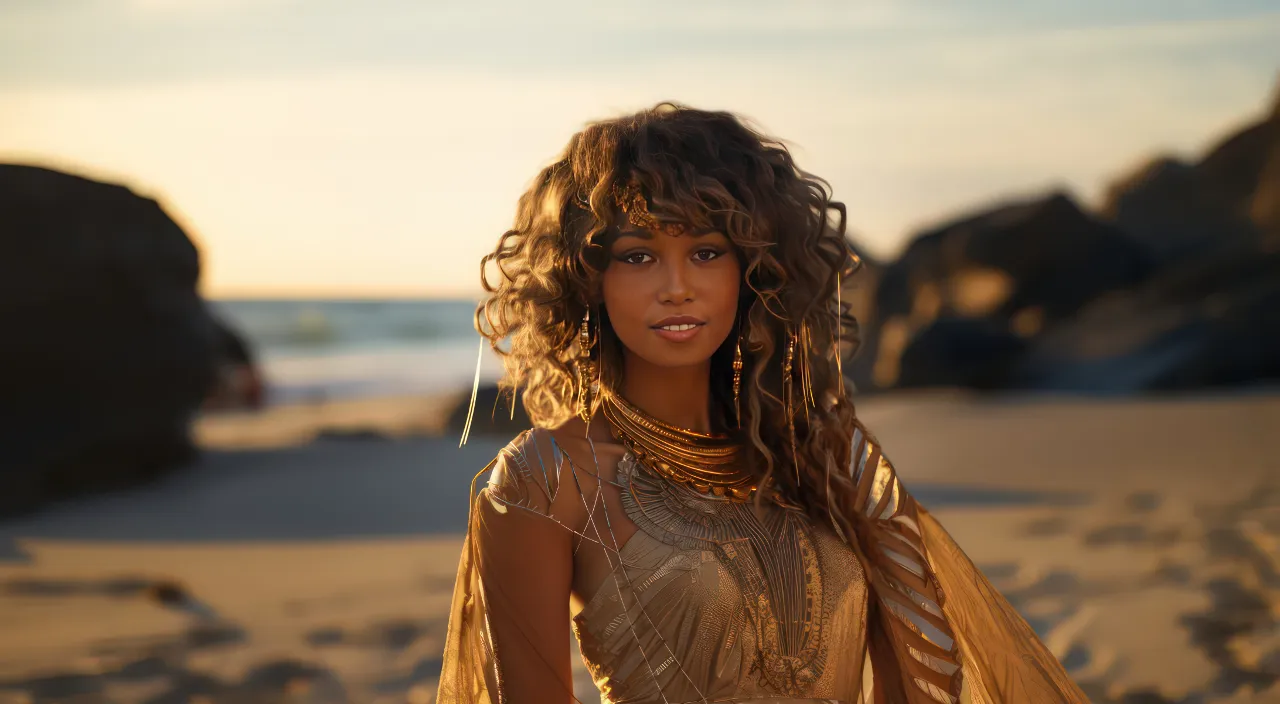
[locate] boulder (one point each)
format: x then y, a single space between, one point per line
1230 198
1013 270
493 415
109 351
1175 285
1213 321
239 382
858 293
968 352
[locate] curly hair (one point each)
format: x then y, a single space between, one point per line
705 170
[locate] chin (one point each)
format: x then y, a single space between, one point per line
676 359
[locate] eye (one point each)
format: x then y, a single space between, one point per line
634 257
707 254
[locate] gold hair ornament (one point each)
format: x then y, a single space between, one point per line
632 202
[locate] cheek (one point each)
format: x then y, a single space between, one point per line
623 298
724 286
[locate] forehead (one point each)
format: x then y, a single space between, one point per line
649 235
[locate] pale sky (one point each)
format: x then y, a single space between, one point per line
334 147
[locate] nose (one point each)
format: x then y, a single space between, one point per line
675 284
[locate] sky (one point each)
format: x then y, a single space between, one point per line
338 148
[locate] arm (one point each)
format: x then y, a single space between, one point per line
526 568
509 639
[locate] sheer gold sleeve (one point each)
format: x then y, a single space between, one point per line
941 633
508 636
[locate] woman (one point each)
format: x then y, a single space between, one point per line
698 500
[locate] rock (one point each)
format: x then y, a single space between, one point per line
1229 198
109 350
995 278
955 351
239 383
1175 287
1265 209
858 293
1212 321
492 415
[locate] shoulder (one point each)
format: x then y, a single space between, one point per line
526 471
531 470
864 450
880 494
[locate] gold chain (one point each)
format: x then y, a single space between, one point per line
704 462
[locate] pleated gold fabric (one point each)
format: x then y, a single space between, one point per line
702 604
938 625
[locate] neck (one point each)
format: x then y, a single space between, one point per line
679 396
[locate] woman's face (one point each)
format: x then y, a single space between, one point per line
671 300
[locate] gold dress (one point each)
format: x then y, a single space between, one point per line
695 598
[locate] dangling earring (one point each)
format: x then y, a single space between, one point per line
787 387
737 380
586 368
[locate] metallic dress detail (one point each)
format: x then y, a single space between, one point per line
755 592
709 601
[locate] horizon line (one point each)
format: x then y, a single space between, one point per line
313 294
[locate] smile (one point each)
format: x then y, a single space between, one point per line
680 328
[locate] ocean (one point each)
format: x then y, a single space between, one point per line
314 350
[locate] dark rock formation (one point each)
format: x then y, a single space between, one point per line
493 414
1230 198
108 349
1212 321
968 352
1008 272
1175 286
239 384
858 293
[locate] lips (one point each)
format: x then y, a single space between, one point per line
678 321
678 328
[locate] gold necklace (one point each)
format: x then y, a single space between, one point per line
704 462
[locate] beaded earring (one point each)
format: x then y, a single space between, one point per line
585 367
737 380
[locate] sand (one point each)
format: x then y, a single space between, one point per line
309 555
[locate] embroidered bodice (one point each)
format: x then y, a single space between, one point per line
710 600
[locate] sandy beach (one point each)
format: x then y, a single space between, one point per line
309 555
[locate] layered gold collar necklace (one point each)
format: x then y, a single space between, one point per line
704 462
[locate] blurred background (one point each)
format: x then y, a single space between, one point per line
239 257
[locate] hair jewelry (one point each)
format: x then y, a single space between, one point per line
632 202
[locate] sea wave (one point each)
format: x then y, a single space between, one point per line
274 323
312 350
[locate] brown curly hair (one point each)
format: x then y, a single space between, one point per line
705 170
